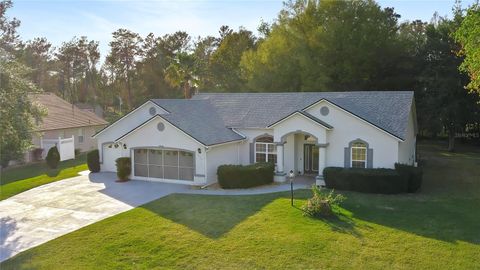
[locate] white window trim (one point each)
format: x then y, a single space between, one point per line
358 160
266 151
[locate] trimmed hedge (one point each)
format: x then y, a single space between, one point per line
124 168
93 161
413 174
384 181
402 179
53 158
239 176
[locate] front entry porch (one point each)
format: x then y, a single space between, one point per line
290 144
301 154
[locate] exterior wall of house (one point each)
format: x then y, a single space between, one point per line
129 122
124 125
347 128
298 123
246 148
220 155
406 149
149 136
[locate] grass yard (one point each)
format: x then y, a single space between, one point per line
438 228
20 179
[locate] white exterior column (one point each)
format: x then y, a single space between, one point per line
322 151
280 175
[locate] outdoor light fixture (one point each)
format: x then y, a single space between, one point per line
199 150
291 175
124 146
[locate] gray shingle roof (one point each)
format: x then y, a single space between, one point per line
199 119
386 110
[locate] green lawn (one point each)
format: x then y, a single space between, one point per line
438 228
20 179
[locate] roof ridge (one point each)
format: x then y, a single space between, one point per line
307 93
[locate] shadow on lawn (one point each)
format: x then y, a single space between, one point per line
216 215
445 219
210 215
446 208
339 222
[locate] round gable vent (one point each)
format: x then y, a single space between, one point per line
152 111
161 126
324 111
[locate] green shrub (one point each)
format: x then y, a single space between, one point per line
321 204
124 168
384 181
239 176
93 161
78 151
53 157
413 174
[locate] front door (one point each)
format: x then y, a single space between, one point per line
310 158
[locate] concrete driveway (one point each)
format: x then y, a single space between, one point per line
49 211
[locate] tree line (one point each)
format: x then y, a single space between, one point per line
311 46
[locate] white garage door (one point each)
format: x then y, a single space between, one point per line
110 154
164 164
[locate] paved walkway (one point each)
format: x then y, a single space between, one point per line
52 210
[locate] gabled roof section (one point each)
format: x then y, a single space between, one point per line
199 119
62 114
118 120
306 115
387 110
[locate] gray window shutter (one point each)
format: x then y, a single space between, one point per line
252 152
347 157
369 158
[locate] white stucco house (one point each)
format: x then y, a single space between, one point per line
185 140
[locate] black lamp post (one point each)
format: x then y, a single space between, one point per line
291 175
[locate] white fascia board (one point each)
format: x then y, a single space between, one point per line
295 113
131 112
151 119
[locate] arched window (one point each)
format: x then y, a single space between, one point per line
265 150
359 155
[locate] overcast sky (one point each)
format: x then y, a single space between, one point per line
61 20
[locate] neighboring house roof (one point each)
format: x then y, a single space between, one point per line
199 119
387 110
62 114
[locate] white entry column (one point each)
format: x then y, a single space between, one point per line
280 175
322 161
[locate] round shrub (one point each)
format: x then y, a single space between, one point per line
53 158
93 161
124 168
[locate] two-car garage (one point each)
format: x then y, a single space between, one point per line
167 164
